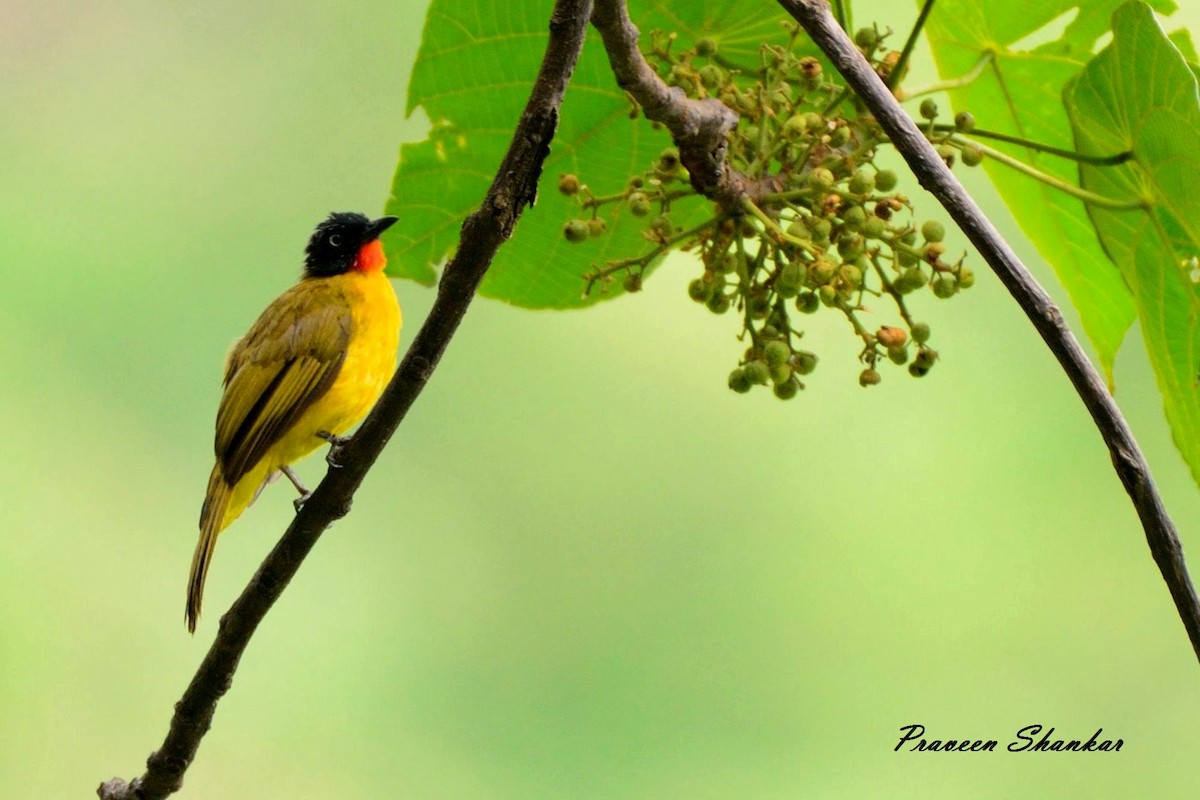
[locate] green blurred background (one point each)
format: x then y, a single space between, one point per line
583 568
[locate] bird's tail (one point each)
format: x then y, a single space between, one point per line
212 522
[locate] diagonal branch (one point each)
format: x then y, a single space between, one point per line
935 176
483 232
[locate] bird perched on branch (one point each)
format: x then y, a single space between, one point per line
309 369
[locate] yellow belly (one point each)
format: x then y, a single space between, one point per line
368 366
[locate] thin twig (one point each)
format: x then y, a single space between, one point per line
966 79
1046 318
1071 155
897 73
483 232
1054 182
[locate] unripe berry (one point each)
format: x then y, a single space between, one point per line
964 121
661 225
917 370
868 377
787 390
811 69
719 303
725 263
739 381
596 226
898 354
798 229
568 184
850 247
947 154
839 136
639 204
850 276
633 282
874 228
700 290
576 230
885 180
668 160
820 178
758 372
912 278
933 231
781 374
807 303
827 294
786 291
821 272
759 307
944 286
803 362
920 333
928 109
814 122
706 46
861 182
867 39
821 228
794 127
933 251
711 75
966 278
854 217
972 156
776 353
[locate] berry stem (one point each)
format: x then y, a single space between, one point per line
1102 161
773 226
952 83
644 261
1091 198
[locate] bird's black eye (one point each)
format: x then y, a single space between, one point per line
335 240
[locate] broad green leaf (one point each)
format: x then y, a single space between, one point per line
1139 94
473 73
1020 93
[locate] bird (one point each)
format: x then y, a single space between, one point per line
308 370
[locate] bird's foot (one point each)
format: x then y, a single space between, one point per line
336 443
295 479
301 500
300 487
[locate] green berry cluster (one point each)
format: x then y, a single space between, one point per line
826 227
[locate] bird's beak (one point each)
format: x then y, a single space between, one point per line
379 226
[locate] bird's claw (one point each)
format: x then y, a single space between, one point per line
301 500
336 443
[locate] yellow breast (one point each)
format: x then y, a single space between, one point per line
369 364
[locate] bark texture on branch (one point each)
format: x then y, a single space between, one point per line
699 128
935 176
514 188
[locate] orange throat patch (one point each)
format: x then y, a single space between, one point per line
370 257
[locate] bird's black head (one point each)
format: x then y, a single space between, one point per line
343 242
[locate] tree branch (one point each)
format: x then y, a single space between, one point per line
698 127
935 176
514 187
